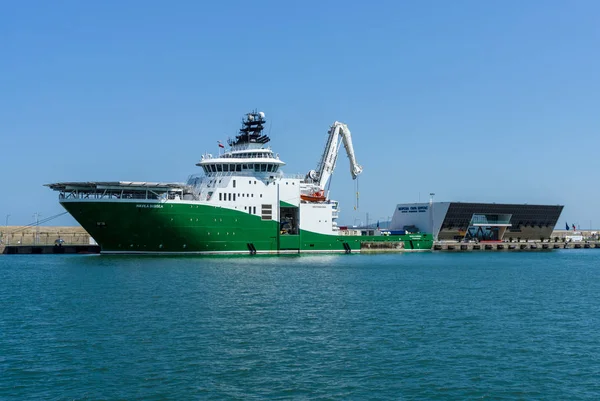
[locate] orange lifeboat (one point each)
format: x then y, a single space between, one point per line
318 196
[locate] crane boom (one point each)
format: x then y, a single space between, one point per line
326 165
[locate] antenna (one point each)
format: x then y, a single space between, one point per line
270 126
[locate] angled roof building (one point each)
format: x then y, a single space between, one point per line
481 221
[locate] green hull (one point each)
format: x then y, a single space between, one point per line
129 227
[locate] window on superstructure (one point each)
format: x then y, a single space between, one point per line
245 166
234 197
229 197
234 183
269 167
225 168
266 212
238 167
250 166
219 168
220 195
263 167
257 168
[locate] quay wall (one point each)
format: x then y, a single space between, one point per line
76 235
514 246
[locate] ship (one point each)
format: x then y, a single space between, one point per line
241 202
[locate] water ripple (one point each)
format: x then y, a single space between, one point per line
506 326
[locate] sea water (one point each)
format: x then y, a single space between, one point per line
412 326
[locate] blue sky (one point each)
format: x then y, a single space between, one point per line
475 101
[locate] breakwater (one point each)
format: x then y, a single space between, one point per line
43 236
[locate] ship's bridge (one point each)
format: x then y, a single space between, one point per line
241 161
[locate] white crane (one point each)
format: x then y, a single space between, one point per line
321 175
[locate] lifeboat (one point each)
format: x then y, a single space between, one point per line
318 196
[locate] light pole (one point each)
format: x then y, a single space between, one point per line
36 215
7 237
431 195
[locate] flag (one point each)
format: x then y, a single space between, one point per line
567 225
220 144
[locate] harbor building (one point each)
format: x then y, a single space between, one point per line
477 221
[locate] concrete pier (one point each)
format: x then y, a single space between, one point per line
513 246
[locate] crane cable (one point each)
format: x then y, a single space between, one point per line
356 190
47 219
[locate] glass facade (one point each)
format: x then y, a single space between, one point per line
496 221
